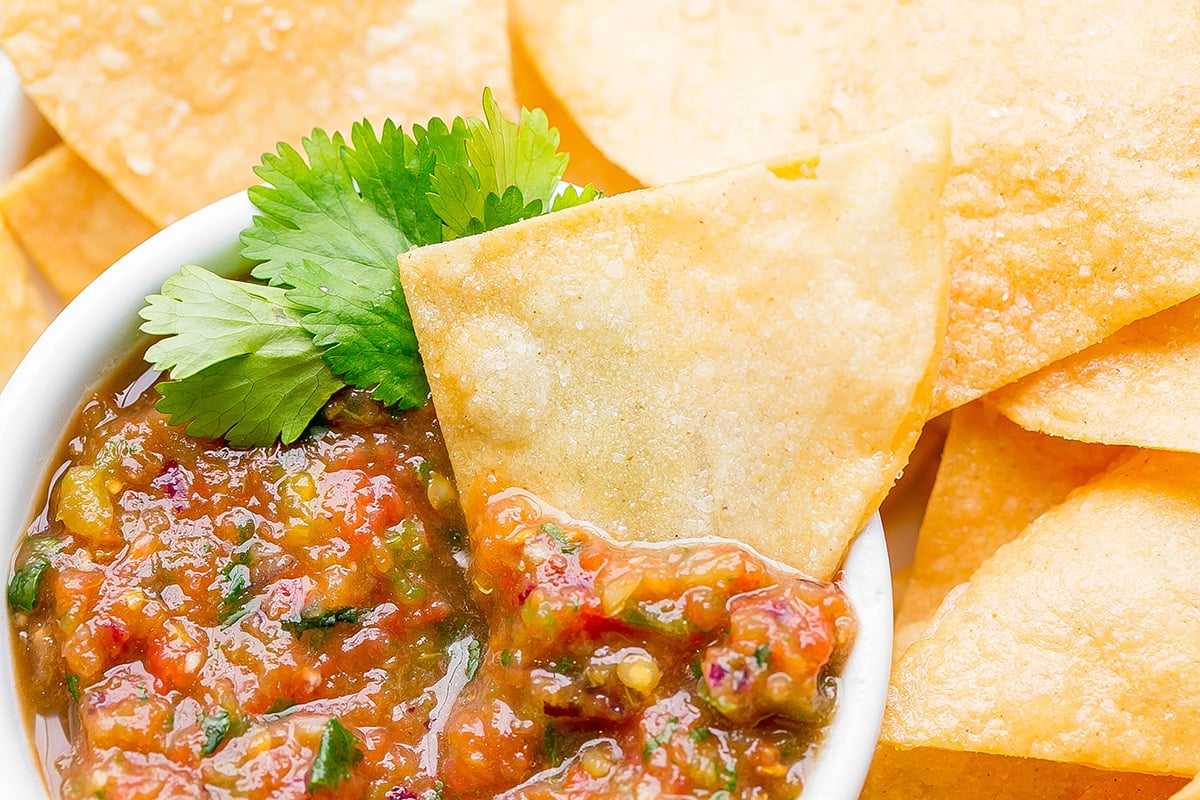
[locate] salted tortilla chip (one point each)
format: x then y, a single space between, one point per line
1078 641
1071 208
746 354
994 479
69 220
1136 387
929 774
23 312
174 102
669 90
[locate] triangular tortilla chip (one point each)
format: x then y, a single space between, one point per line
174 102
674 88
69 220
23 313
929 774
1078 641
746 354
994 479
1138 387
1071 208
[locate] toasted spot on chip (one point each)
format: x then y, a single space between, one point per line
1137 387
994 479
1071 206
740 355
676 88
1077 641
929 774
69 220
174 109
23 312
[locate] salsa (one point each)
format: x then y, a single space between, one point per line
315 620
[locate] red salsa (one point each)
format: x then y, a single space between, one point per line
315 620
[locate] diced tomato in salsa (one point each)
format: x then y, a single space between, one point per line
310 621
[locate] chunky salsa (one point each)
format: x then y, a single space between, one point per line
316 621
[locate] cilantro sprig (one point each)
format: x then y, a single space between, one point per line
255 360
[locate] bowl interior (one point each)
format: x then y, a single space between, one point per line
98 331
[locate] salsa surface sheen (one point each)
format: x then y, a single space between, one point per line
314 621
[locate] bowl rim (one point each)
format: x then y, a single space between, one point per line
98 331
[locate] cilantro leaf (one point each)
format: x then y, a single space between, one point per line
474 658
215 727
27 578
365 331
313 211
512 172
244 367
394 172
336 756
572 196
524 155
299 623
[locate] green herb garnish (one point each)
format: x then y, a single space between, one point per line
474 658
664 736
326 619
72 681
300 623
234 605
336 756
253 363
568 547
762 654
215 727
550 744
27 579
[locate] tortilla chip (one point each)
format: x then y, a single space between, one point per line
669 90
1136 387
587 164
745 355
995 478
69 220
174 102
23 313
1079 640
1071 206
929 774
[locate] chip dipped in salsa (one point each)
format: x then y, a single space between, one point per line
315 620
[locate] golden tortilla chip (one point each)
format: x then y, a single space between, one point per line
1136 387
669 90
994 479
23 313
174 102
69 220
1078 641
929 774
1071 208
746 354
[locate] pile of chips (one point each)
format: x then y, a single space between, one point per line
1048 627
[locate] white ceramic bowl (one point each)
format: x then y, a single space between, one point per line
97 331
